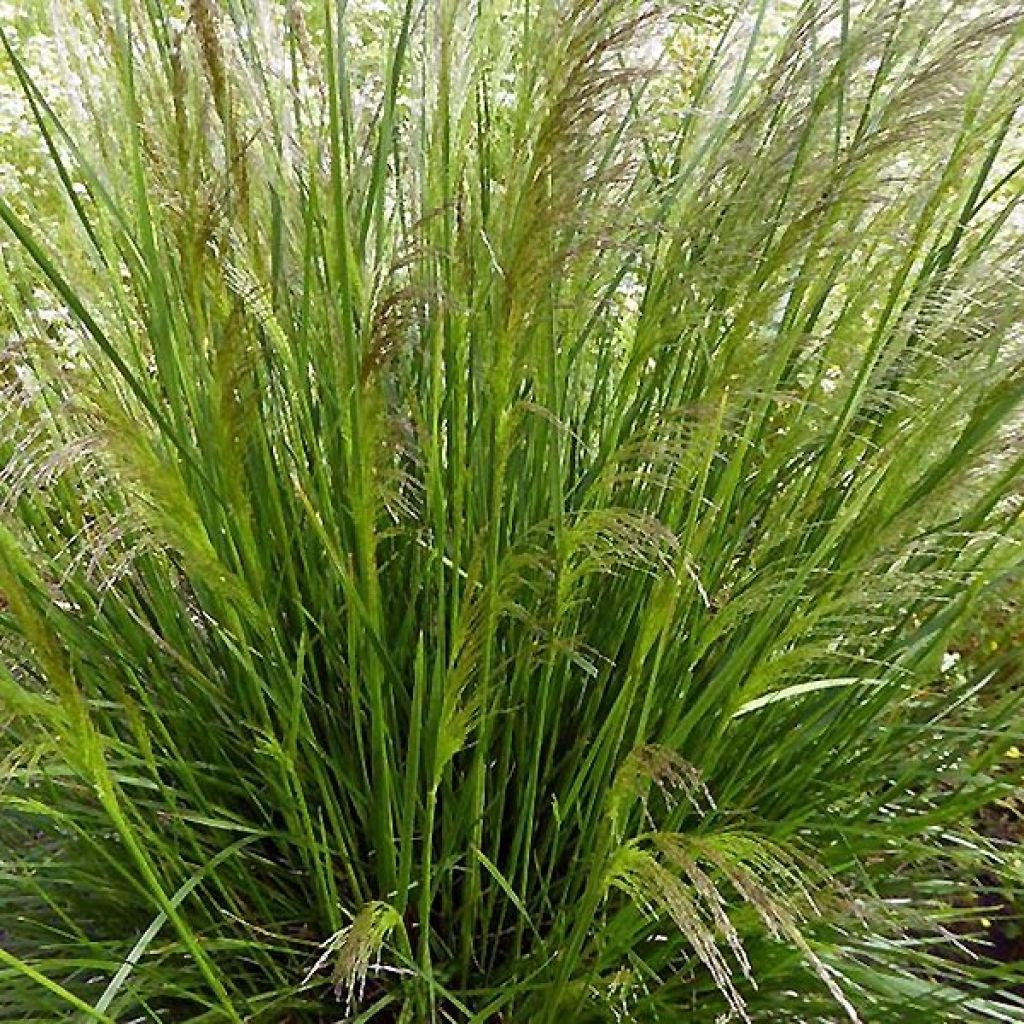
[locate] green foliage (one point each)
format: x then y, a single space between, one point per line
483 542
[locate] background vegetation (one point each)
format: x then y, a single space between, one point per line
496 503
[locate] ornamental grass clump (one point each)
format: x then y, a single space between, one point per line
480 529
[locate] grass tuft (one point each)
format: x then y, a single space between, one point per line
487 496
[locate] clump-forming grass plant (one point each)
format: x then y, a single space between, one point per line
482 542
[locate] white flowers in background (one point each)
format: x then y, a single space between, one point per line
54 61
830 379
630 294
